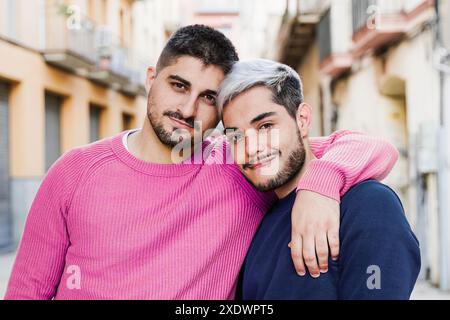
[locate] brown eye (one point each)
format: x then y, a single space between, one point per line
265 126
210 99
179 86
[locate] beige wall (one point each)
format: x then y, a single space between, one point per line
309 73
342 30
395 95
25 22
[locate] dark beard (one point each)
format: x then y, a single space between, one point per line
166 137
163 135
294 164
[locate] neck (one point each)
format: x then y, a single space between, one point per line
146 146
290 186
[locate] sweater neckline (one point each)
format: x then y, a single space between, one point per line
154 169
285 204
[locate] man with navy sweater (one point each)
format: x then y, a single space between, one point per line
379 254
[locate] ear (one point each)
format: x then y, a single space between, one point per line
303 118
151 75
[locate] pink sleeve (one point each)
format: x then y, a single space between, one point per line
344 159
40 259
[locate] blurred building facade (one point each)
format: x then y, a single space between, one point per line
371 66
71 72
252 25
443 65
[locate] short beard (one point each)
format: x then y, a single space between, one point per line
166 138
163 135
294 164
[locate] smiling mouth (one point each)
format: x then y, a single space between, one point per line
261 162
180 123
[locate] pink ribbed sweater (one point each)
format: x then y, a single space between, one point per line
106 225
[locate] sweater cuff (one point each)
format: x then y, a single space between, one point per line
324 178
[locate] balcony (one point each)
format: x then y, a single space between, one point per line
377 23
298 29
111 60
69 44
76 44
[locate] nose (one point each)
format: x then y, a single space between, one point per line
189 108
254 144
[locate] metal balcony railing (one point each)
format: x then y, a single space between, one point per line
364 11
73 41
359 13
65 32
120 59
110 49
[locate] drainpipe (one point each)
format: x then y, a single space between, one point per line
443 67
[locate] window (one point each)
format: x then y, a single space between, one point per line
5 208
95 119
52 129
127 121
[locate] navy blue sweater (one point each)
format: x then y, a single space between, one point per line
379 254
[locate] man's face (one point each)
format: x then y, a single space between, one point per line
265 139
181 94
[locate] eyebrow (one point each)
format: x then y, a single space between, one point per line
255 119
180 79
262 116
210 92
188 84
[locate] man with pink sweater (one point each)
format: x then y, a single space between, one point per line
119 219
